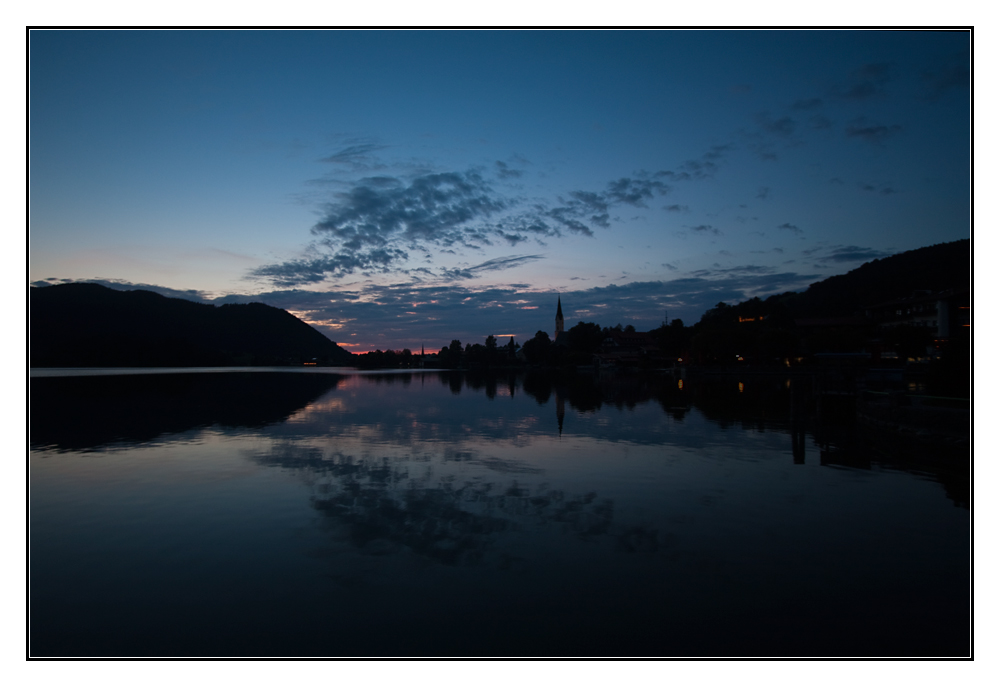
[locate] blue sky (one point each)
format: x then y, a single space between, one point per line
406 188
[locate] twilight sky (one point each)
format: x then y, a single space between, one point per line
404 188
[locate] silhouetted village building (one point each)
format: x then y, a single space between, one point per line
943 313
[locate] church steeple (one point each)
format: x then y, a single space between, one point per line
559 319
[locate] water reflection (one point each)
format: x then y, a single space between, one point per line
87 413
388 506
476 514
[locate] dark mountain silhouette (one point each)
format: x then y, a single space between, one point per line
933 268
89 325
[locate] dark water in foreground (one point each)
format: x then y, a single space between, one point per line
275 514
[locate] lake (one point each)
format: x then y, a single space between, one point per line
328 512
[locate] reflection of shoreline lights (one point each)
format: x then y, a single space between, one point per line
680 383
741 387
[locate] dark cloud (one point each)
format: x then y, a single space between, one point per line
434 208
719 272
946 78
867 81
512 239
703 167
872 133
353 154
790 227
505 172
356 156
763 192
586 209
704 229
635 191
590 202
781 127
524 226
315 270
675 208
841 254
882 189
567 217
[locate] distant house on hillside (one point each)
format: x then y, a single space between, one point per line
943 313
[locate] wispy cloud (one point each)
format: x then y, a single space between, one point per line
870 132
504 171
948 77
704 229
840 254
352 153
790 227
868 81
785 126
493 265
357 156
881 189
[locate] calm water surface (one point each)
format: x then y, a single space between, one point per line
439 514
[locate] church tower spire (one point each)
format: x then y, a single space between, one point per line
559 319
